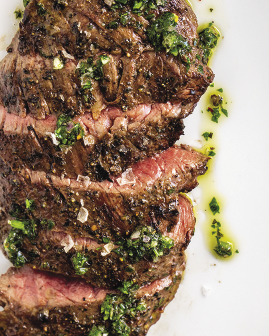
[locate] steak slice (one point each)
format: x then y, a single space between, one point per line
146 195
39 303
138 71
84 215
107 265
111 144
130 106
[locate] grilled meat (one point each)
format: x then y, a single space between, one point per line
95 217
128 94
39 303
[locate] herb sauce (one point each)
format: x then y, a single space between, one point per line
212 202
209 38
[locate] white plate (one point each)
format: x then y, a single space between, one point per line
237 303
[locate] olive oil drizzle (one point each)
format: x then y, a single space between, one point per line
216 229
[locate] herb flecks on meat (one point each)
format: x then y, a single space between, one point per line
162 35
119 308
139 37
68 132
145 242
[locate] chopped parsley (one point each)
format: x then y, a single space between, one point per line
21 229
200 69
67 132
214 206
112 25
215 113
41 11
89 70
162 35
223 249
211 153
29 204
170 191
119 308
47 224
98 331
80 263
224 111
12 246
208 39
13 242
217 108
207 135
220 90
140 6
25 2
18 14
145 242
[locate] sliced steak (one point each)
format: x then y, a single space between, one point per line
38 303
107 265
138 71
146 195
111 144
130 107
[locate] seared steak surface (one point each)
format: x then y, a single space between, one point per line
98 62
78 29
147 195
111 144
39 303
92 97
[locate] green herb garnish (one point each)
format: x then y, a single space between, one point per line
207 135
12 246
80 263
200 69
211 153
224 111
25 2
47 224
217 102
67 132
223 249
215 113
145 242
139 6
170 191
29 204
214 206
98 331
119 308
208 40
13 242
162 35
89 70
18 14
41 11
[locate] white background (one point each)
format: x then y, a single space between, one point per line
237 301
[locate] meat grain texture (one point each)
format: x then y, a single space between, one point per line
93 95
